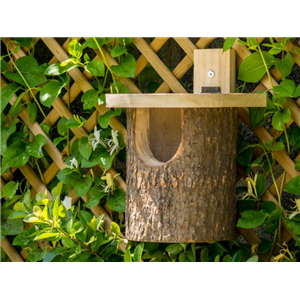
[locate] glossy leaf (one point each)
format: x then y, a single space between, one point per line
90 98
7 93
96 67
285 65
204 255
126 68
138 251
27 200
117 201
264 246
36 255
26 42
260 185
94 196
285 89
50 92
127 256
29 68
75 48
268 206
32 111
14 156
293 225
293 186
85 148
295 138
10 189
5 134
297 165
4 66
251 218
67 242
253 259
35 148
92 44
228 43
257 116
53 253
85 217
83 185
114 227
174 248
117 51
104 120
252 69
68 177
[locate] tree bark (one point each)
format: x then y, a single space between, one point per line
190 198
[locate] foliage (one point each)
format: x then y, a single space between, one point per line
60 231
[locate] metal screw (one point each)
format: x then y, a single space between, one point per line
211 73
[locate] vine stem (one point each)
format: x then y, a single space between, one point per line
40 172
79 243
68 131
263 59
29 88
106 62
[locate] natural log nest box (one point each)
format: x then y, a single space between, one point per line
181 156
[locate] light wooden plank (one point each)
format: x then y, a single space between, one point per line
185 100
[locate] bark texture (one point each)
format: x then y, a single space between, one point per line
190 198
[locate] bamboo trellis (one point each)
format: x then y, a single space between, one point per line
170 83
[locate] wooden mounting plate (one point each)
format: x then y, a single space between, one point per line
185 100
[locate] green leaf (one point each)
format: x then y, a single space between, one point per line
32 111
36 255
293 186
56 191
16 108
91 43
297 91
53 253
252 69
297 165
257 116
10 226
293 225
14 156
117 51
90 98
85 148
251 218
227 258
18 215
67 242
27 200
138 251
4 66
127 256
26 42
83 257
45 235
7 93
253 259
10 189
285 89
117 201
285 65
264 246
67 177
61 126
270 146
174 248
99 157
29 68
46 128
5 134
104 120
85 217
260 184
244 157
295 138
118 88
229 42
94 196
95 67
268 206
126 68
204 255
83 185
23 238
114 227
124 41
75 48
243 205
281 118
35 148
50 92
72 123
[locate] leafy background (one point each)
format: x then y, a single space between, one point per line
171 54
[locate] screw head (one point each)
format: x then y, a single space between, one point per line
211 73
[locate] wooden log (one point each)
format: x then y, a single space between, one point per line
191 197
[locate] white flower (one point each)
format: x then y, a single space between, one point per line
74 163
113 143
95 141
67 202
